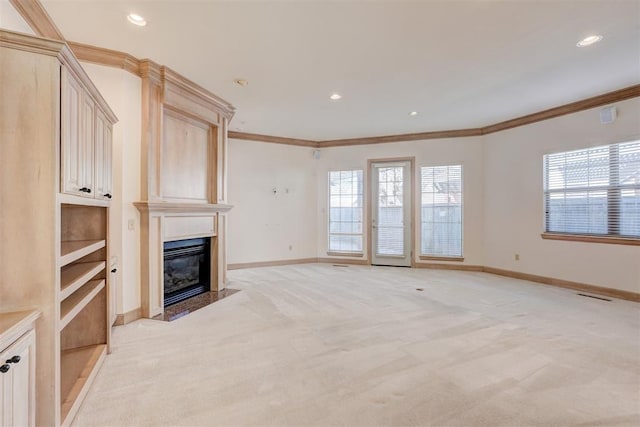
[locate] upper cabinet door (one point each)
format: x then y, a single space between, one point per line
77 133
103 147
72 156
88 117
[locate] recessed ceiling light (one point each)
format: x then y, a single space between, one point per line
413 113
335 96
589 40
241 82
137 19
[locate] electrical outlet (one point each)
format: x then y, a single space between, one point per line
131 224
290 247
517 257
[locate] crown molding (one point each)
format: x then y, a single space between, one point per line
108 57
29 43
574 107
273 139
459 133
37 17
191 90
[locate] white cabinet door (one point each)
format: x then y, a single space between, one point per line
17 404
103 147
71 135
77 132
87 143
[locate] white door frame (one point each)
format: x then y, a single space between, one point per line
408 205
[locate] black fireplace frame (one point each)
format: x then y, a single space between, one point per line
188 248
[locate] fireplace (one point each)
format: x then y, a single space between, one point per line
187 269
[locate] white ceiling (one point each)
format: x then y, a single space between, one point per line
461 64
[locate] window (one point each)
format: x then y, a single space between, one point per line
441 211
345 211
595 191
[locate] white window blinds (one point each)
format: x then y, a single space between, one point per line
441 211
345 211
594 191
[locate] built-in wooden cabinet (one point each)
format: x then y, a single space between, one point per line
86 141
55 188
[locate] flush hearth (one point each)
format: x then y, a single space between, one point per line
187 269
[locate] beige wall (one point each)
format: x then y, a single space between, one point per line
503 203
122 91
10 19
465 151
264 226
514 202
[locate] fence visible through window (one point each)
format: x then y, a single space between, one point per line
345 210
594 191
441 211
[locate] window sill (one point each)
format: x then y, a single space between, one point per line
592 239
441 258
349 254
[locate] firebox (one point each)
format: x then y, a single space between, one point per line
187 269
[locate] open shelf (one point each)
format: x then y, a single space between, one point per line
74 304
76 275
78 368
76 249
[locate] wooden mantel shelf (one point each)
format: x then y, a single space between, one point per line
190 208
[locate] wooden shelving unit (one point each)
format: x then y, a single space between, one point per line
76 275
77 370
70 307
84 337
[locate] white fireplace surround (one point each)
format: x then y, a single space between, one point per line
164 222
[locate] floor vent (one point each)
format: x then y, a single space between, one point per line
594 297
340 265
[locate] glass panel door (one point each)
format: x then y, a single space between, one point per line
391 216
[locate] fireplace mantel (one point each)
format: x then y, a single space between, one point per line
161 222
183 176
181 208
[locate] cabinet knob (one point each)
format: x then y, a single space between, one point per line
5 368
85 190
14 359
108 196
114 270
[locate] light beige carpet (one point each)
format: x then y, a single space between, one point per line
359 346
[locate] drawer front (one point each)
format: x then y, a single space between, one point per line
184 227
